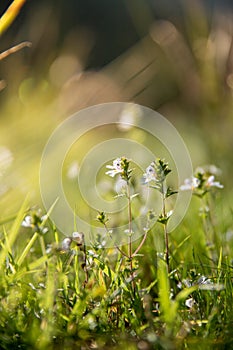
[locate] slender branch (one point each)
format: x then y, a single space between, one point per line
141 244
14 49
212 222
130 253
121 251
167 245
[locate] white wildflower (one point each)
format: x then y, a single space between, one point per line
27 222
190 184
190 303
78 237
66 243
211 183
116 168
150 174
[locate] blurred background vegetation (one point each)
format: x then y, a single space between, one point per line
175 57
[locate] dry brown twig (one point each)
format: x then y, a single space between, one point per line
14 49
10 51
5 21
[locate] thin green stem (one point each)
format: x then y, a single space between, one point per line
130 252
141 244
204 218
130 221
212 224
165 227
147 228
43 248
27 249
85 266
167 246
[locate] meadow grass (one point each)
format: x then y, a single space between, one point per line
59 294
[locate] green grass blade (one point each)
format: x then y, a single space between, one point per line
14 230
164 291
27 249
220 259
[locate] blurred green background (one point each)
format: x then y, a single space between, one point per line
175 57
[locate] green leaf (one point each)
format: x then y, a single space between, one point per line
170 192
182 295
163 219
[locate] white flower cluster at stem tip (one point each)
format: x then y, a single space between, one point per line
116 168
211 183
193 183
150 174
190 184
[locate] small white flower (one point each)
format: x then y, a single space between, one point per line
102 244
179 285
91 252
128 232
209 169
32 286
27 222
200 170
49 248
211 183
66 243
116 168
190 303
78 237
190 184
204 280
150 174
214 170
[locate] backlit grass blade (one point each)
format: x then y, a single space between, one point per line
11 13
164 292
49 212
27 249
47 300
34 237
11 237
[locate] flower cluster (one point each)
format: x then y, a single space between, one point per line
77 238
36 222
201 183
190 184
156 174
150 174
102 218
157 171
120 166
